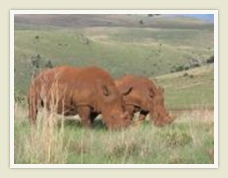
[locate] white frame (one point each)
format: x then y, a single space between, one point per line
13 12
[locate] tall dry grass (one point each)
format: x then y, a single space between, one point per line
44 142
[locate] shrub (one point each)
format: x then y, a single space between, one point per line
210 60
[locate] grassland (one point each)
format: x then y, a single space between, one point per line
192 89
190 140
150 50
154 49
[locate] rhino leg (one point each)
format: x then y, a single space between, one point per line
84 113
32 115
142 115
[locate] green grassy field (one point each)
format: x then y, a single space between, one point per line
120 45
189 140
192 89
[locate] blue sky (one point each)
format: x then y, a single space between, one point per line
205 17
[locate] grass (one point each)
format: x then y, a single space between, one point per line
190 89
189 140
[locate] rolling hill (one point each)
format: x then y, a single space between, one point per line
108 20
191 89
137 44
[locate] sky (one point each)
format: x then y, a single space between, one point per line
205 17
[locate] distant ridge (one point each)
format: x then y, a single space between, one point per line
110 20
204 17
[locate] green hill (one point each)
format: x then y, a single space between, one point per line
119 43
192 89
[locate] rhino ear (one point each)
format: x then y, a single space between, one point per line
103 88
126 90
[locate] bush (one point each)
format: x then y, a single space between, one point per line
35 60
195 63
177 68
49 64
210 60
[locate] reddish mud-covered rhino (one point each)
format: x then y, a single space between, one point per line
87 91
141 95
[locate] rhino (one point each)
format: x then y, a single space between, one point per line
142 95
86 91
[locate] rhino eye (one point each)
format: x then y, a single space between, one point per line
151 93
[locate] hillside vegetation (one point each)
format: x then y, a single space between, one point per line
158 46
192 89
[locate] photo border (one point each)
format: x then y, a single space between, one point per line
14 12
